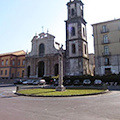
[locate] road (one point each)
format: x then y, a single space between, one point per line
97 107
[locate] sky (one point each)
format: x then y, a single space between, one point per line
20 20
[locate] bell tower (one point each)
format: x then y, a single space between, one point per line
76 40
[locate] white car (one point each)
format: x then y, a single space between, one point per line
86 82
98 82
42 82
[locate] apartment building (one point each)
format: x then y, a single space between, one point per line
12 65
107 47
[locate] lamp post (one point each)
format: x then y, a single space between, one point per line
60 86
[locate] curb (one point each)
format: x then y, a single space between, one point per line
6 85
106 91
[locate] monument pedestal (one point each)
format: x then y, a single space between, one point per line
60 88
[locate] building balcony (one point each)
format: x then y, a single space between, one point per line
105 31
107 64
105 42
106 53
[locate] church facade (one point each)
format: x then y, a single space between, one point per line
43 60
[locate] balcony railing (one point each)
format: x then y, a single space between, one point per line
105 42
107 64
106 53
105 31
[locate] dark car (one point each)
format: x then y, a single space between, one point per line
56 82
87 82
18 82
76 82
67 82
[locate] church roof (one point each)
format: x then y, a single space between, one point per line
43 35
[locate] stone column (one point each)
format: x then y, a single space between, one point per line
60 86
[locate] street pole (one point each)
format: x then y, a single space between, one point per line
60 86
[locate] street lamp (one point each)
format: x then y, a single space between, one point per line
60 86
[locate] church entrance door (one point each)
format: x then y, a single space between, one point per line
28 71
41 69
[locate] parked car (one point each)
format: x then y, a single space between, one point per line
98 82
36 82
86 82
28 82
52 81
18 82
76 82
67 82
55 82
42 82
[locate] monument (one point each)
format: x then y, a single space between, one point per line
60 86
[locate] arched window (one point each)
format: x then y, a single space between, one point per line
72 12
73 49
73 31
83 31
41 49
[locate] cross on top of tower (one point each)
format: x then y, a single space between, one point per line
42 28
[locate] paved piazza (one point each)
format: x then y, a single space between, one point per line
100 107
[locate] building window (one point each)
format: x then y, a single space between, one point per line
72 12
6 62
18 62
81 8
18 74
12 75
105 38
73 31
107 61
85 49
106 50
1 72
2 62
5 72
13 62
23 62
73 49
104 29
82 13
41 49
84 32
22 73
